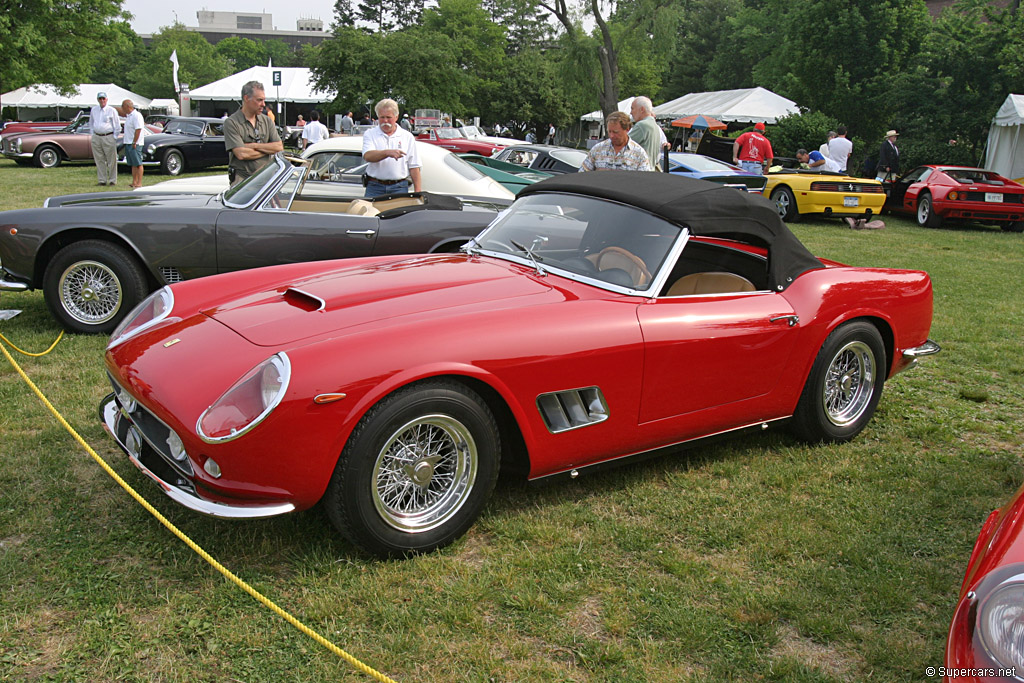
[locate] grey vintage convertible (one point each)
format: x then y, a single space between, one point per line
96 256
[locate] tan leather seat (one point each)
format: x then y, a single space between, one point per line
361 207
619 258
710 283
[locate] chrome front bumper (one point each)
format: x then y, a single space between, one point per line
10 285
134 441
929 348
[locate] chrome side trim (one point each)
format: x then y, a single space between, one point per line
109 413
575 470
927 349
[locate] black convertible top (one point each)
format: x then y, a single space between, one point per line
706 208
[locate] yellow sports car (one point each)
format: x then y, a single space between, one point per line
798 192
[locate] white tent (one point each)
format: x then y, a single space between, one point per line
38 97
1005 153
296 86
598 115
746 105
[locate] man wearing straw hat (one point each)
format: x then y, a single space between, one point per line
888 158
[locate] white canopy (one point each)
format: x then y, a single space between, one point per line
746 105
170 106
598 115
47 97
1005 154
295 86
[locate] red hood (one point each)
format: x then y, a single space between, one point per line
347 297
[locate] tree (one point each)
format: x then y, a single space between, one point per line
636 21
241 52
379 14
344 15
836 56
124 48
55 42
198 60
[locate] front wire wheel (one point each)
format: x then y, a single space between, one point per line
844 386
416 471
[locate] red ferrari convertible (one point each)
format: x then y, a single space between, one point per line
453 139
986 638
602 316
958 193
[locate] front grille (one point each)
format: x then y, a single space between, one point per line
156 434
170 274
832 186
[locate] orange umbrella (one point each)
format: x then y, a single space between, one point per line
699 121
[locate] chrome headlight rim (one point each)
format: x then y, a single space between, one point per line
1001 589
284 366
120 336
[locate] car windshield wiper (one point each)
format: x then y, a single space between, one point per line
529 252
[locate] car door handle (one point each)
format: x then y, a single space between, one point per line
362 233
792 319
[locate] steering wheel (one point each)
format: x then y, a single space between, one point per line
617 257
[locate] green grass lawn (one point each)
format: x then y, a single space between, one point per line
759 558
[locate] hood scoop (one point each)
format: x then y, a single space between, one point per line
304 300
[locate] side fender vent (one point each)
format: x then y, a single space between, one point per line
170 274
571 409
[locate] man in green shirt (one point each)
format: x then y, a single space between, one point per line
249 135
646 130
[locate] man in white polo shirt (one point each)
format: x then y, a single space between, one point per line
390 152
106 128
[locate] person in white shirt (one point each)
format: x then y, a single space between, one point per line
314 131
106 127
390 152
134 134
840 149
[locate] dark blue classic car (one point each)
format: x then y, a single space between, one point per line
185 143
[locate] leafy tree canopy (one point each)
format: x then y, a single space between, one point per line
198 62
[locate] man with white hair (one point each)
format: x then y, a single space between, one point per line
106 126
390 153
646 131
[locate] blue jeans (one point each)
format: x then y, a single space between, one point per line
376 189
752 167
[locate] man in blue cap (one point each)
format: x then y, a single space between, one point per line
106 128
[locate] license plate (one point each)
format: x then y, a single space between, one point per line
851 201
994 197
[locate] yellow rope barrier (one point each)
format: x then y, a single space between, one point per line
34 355
180 534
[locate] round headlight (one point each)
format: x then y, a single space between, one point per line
150 148
1001 623
152 310
176 448
247 402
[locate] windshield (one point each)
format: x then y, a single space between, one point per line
447 134
470 131
247 190
971 176
184 126
604 242
331 165
697 162
573 157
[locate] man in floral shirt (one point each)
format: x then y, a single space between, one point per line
618 152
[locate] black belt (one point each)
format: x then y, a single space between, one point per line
382 181
102 133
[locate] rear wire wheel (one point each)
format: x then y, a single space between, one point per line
844 386
417 470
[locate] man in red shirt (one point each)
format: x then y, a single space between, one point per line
752 151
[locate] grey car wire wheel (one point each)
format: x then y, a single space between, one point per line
849 383
90 292
424 473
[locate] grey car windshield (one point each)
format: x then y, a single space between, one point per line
599 240
247 190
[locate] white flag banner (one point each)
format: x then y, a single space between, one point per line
174 61
270 63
